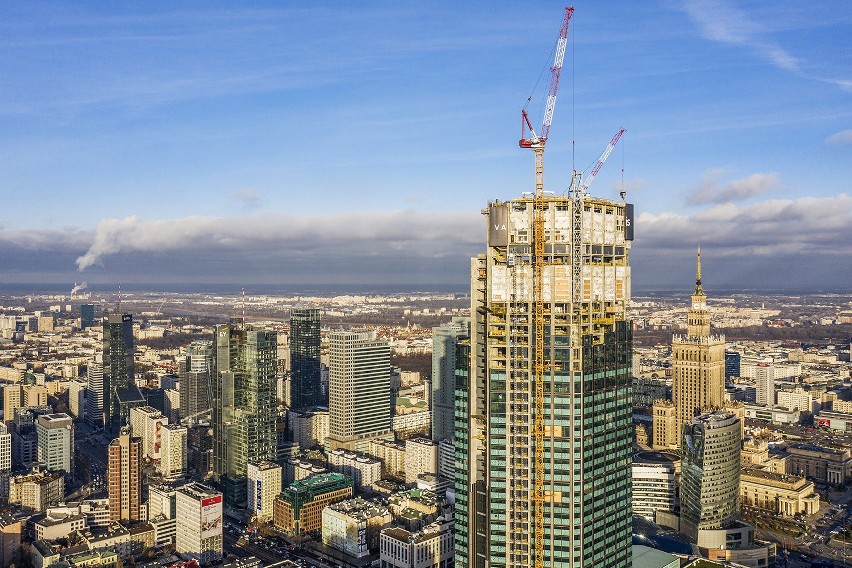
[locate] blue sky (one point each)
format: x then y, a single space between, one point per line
326 142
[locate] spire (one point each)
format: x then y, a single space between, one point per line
698 288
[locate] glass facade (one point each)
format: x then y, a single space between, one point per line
244 413
305 387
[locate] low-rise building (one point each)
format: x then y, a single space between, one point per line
778 493
37 491
353 526
839 421
820 463
53 526
392 455
298 509
431 546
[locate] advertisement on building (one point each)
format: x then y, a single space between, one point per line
211 517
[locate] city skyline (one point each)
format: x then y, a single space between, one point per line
187 144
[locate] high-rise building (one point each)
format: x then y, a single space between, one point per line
13 397
173 451
77 398
305 387
243 373
87 316
195 384
550 353
94 415
264 484
56 442
444 340
764 379
119 381
5 449
732 363
124 477
698 362
359 389
198 527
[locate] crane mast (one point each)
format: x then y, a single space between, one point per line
536 142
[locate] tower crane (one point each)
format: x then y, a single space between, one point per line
536 142
581 186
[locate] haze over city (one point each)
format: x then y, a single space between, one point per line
323 143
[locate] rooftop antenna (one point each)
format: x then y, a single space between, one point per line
244 308
119 298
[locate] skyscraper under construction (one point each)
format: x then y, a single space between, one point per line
544 430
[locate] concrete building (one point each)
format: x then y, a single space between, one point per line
655 483
77 398
444 340
421 456
173 451
359 389
124 477
56 442
556 269
778 493
364 469
198 529
54 526
146 423
797 399
10 538
764 379
822 464
295 469
36 491
298 509
411 424
839 421
430 547
309 428
264 484
5 449
446 459
664 430
353 526
698 362
392 456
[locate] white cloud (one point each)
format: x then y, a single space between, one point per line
807 225
842 137
711 191
416 233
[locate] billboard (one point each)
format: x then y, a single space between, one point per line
628 222
211 517
498 223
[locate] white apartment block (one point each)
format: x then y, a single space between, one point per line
421 456
431 547
363 469
173 451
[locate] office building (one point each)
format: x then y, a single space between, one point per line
549 388
56 442
195 384
698 362
655 480
87 316
444 340
37 491
764 378
198 527
365 470
146 422
298 509
732 363
124 477
173 451
710 476
664 431
308 428
359 389
77 398
244 411
119 379
95 392
305 388
264 484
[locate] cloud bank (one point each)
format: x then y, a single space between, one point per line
710 191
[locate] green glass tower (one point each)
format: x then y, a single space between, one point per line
305 387
244 409
584 462
120 392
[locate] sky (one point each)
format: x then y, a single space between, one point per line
335 142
